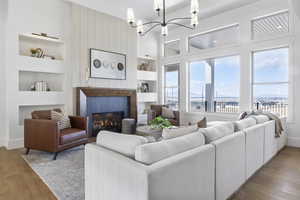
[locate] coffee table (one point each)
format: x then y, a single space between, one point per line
148 131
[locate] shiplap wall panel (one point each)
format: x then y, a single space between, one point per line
92 29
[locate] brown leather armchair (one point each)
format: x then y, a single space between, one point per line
42 133
156 110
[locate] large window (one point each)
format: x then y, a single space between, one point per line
214 85
172 86
270 80
216 38
272 25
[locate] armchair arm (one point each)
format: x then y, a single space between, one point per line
41 134
79 122
151 114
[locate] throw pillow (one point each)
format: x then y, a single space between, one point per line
202 123
243 115
169 133
62 119
167 113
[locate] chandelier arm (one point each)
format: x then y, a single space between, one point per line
150 29
179 18
144 24
177 24
152 22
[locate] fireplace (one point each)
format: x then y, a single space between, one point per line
110 121
106 108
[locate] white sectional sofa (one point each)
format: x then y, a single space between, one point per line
207 164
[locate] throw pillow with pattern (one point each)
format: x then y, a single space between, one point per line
62 119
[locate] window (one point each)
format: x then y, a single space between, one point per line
172 48
217 38
214 85
270 80
272 25
172 86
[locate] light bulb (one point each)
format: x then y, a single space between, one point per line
140 27
194 20
164 30
157 5
194 6
130 16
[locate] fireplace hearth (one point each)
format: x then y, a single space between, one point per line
106 108
110 121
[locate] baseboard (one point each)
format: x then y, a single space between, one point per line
2 142
15 144
294 142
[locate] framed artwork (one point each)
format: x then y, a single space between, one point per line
107 65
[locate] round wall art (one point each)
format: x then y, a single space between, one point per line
107 65
97 63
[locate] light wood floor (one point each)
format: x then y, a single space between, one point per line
278 180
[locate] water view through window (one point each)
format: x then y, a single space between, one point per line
215 85
270 80
172 86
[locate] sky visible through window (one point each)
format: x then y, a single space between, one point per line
270 68
227 77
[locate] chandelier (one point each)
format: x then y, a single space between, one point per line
160 5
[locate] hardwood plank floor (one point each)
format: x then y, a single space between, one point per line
278 180
18 181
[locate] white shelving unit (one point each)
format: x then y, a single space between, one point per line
31 64
147 73
33 69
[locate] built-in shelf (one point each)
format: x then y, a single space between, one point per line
50 47
32 64
147 97
33 98
27 79
29 36
25 111
146 75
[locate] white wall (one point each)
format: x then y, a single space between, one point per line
3 13
92 29
32 16
242 16
147 45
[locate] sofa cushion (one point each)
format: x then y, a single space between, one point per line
217 131
243 124
154 152
121 143
70 135
167 113
169 133
260 118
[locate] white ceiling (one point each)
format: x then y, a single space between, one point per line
144 8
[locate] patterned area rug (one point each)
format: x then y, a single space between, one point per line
64 176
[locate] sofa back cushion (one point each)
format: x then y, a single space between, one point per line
243 124
260 118
169 133
217 131
154 152
121 143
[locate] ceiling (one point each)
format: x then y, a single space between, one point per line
144 8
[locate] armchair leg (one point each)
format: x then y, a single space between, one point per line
55 155
27 151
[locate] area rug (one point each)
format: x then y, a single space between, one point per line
64 176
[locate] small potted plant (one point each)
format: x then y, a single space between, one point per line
160 123
34 52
